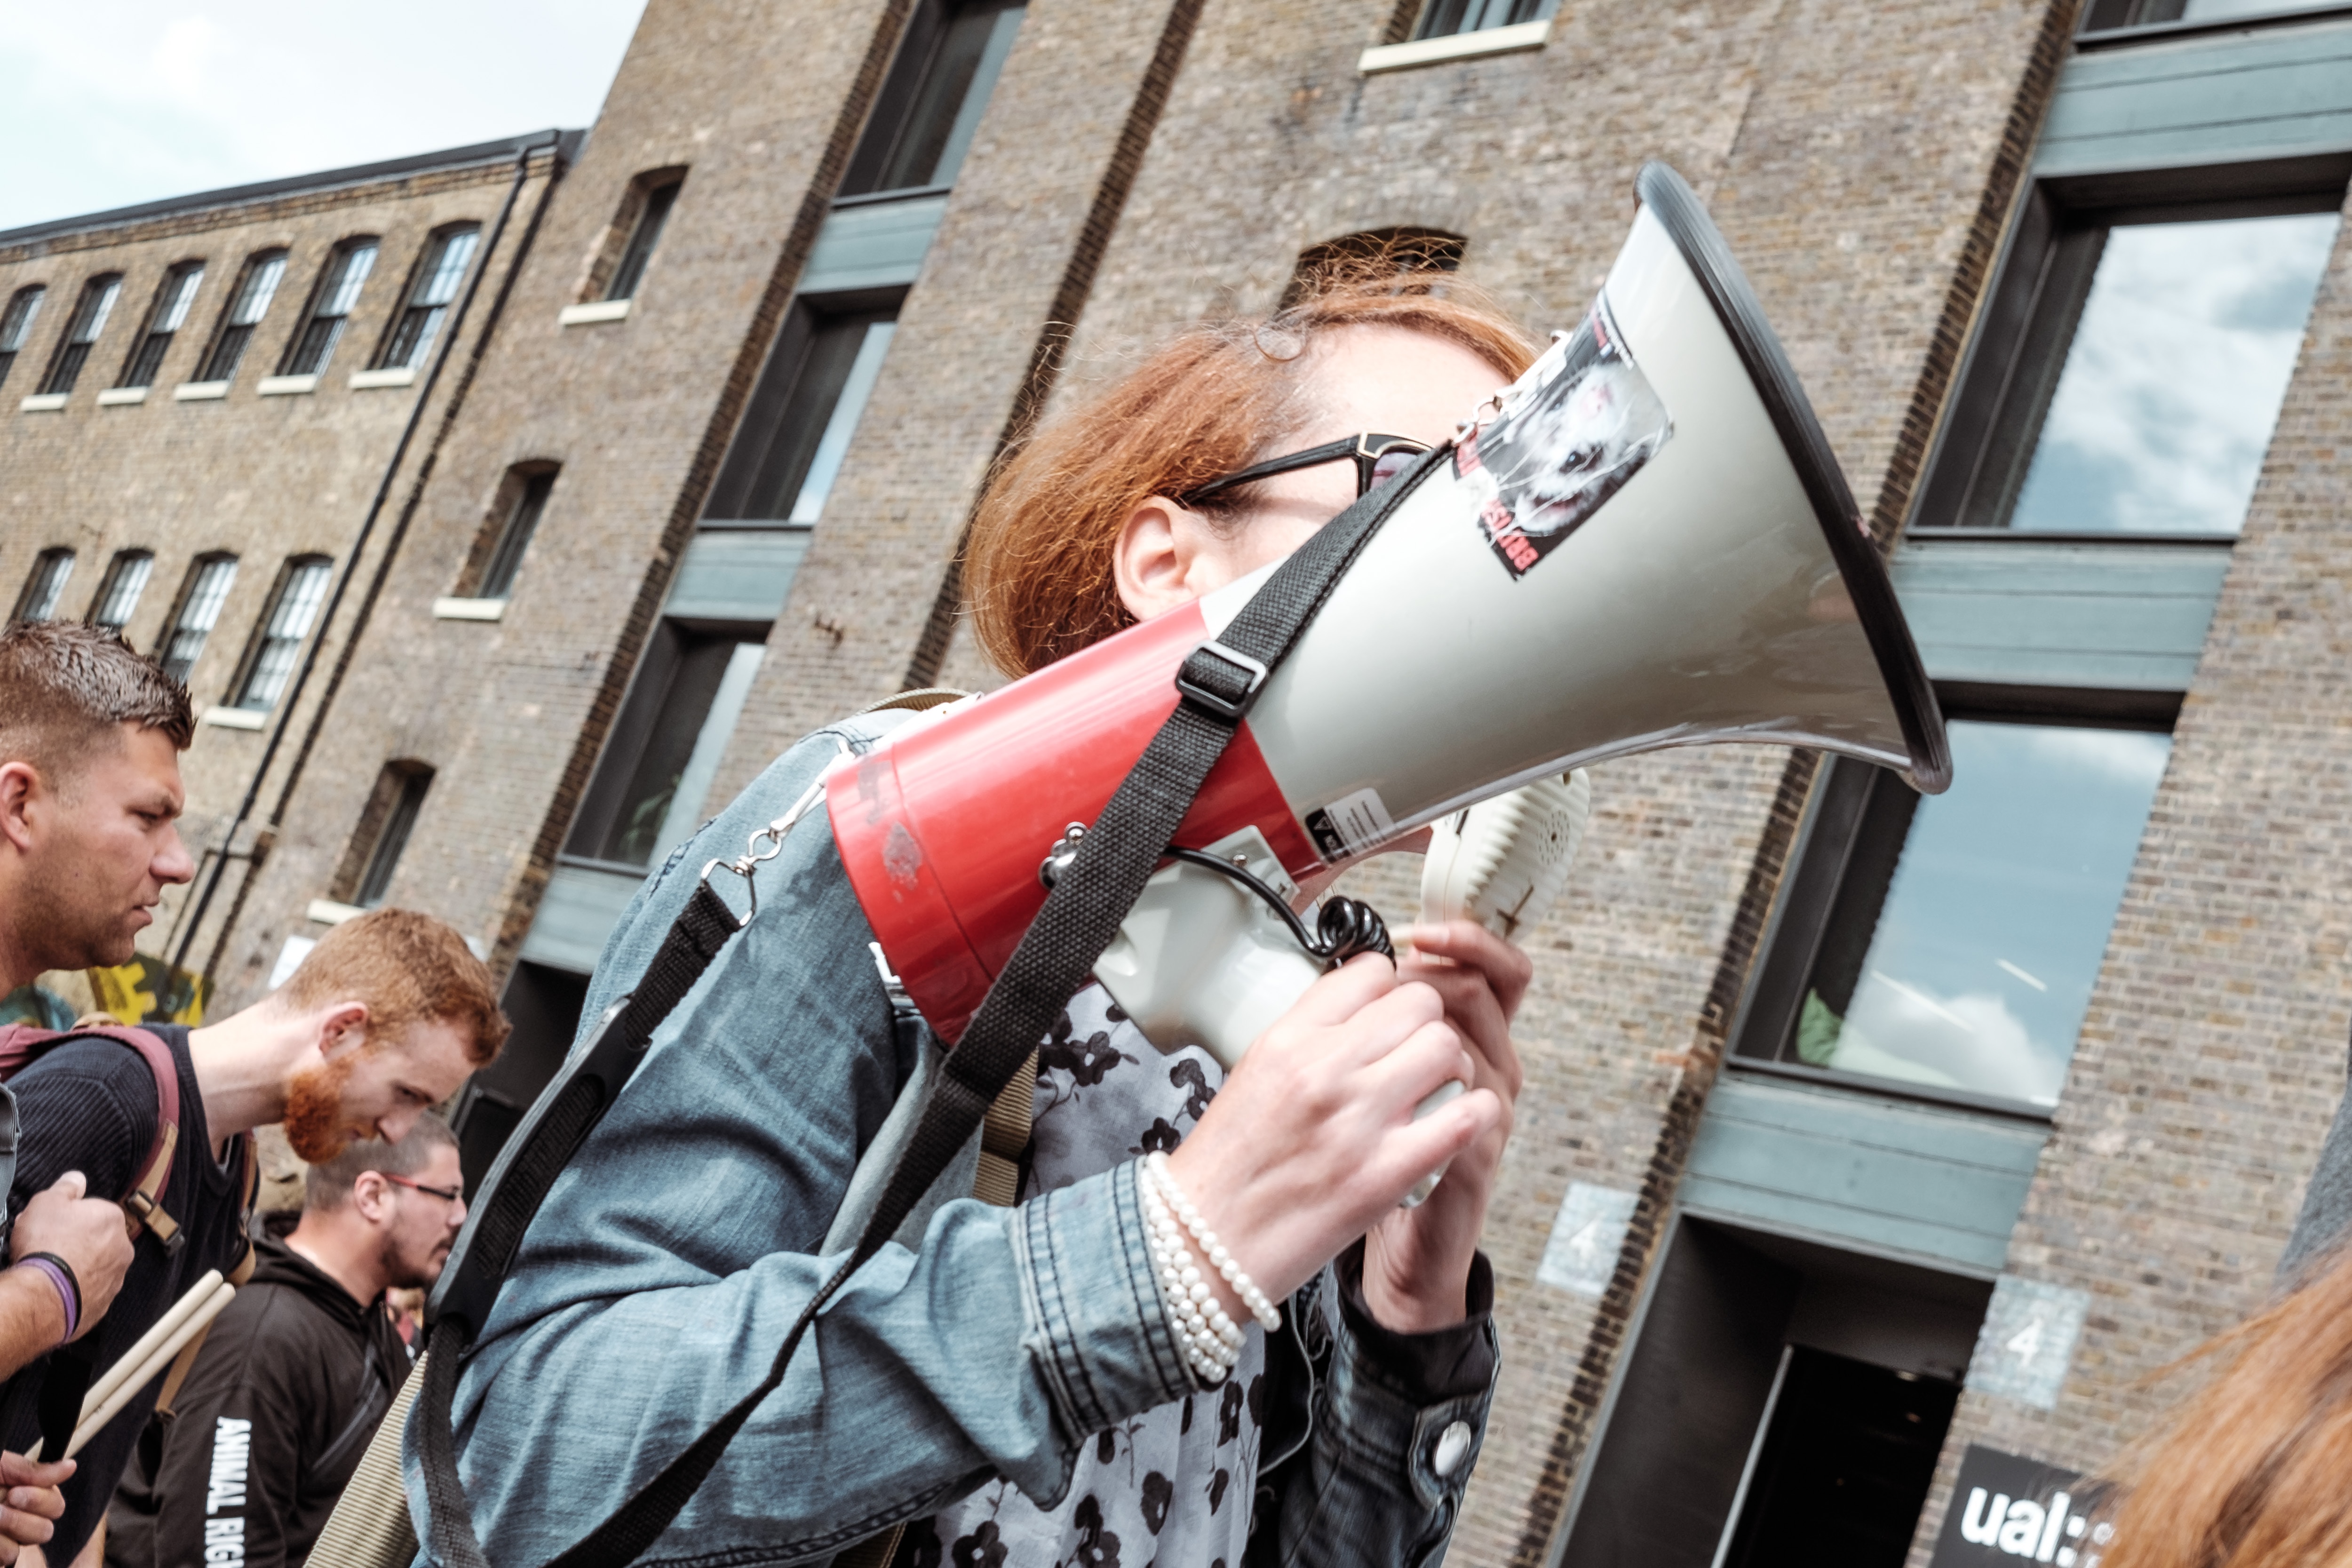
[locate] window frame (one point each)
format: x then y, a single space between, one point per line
42 562
890 119
93 309
258 644
232 340
652 201
399 348
191 585
2087 37
28 301
2010 372
505 538
330 283
1820 855
175 296
382 835
745 466
1445 18
120 566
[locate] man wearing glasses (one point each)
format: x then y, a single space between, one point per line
298 1372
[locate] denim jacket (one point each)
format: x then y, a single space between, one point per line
674 1253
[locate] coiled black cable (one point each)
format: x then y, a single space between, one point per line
1347 926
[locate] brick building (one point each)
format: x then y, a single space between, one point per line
1863 1139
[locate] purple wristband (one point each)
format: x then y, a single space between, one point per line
55 1271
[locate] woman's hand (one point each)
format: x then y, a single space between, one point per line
1312 1137
1417 1260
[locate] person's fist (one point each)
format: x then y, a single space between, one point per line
32 1501
87 1233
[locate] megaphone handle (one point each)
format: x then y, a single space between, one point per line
1440 1095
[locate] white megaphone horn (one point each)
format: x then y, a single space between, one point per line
1642 543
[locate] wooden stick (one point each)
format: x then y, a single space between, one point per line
153 1368
141 1353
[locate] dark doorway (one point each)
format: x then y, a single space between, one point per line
1842 1470
544 1004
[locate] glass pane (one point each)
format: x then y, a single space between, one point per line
123 586
49 584
289 623
2223 10
2174 379
685 699
841 423
198 616
355 264
171 305
1993 927
18 325
954 89
632 270
260 287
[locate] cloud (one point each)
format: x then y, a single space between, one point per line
1903 1030
135 100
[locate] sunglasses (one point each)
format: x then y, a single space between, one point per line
1377 459
446 1195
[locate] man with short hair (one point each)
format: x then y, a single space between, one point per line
388 1015
89 791
299 1369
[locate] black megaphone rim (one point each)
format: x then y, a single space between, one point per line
1669 196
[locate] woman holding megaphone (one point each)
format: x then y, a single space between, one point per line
1084 1377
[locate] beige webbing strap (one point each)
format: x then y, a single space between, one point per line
181 1365
142 1204
370 1528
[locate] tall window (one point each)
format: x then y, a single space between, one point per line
664 753
330 306
292 608
118 595
1443 19
2139 391
97 302
519 521
45 586
1952 941
206 591
2126 15
643 237
437 277
16 325
789 449
163 322
931 104
1408 259
385 827
256 287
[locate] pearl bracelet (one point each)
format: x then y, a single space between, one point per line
1223 1261
1209 1338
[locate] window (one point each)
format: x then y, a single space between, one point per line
1410 257
437 277
172 302
46 586
642 237
1952 941
1443 19
200 607
255 289
925 115
330 306
2131 369
664 751
2130 16
530 492
16 325
117 595
90 315
292 608
789 449
383 830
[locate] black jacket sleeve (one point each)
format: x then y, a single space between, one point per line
230 1469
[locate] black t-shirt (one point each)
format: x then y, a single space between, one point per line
90 1106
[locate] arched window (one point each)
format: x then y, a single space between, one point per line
164 319
331 302
199 610
97 302
17 324
117 595
438 274
653 198
45 586
256 287
293 609
515 518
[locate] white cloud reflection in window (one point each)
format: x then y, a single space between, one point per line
1996 919
2174 379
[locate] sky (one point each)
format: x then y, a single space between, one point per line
109 104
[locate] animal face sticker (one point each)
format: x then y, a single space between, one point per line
1565 437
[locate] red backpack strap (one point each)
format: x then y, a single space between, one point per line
21 1044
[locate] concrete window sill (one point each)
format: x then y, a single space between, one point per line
285 386
199 391
328 912
589 315
42 402
361 380
121 396
236 718
469 609
1454 46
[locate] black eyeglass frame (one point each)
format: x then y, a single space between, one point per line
1367 450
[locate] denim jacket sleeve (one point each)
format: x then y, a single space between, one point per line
1393 1423
674 1253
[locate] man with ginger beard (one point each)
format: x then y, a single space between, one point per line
387 1015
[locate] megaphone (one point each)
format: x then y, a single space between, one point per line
1642 543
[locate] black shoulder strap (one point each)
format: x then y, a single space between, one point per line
1081 916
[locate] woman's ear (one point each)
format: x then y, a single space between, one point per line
1157 561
